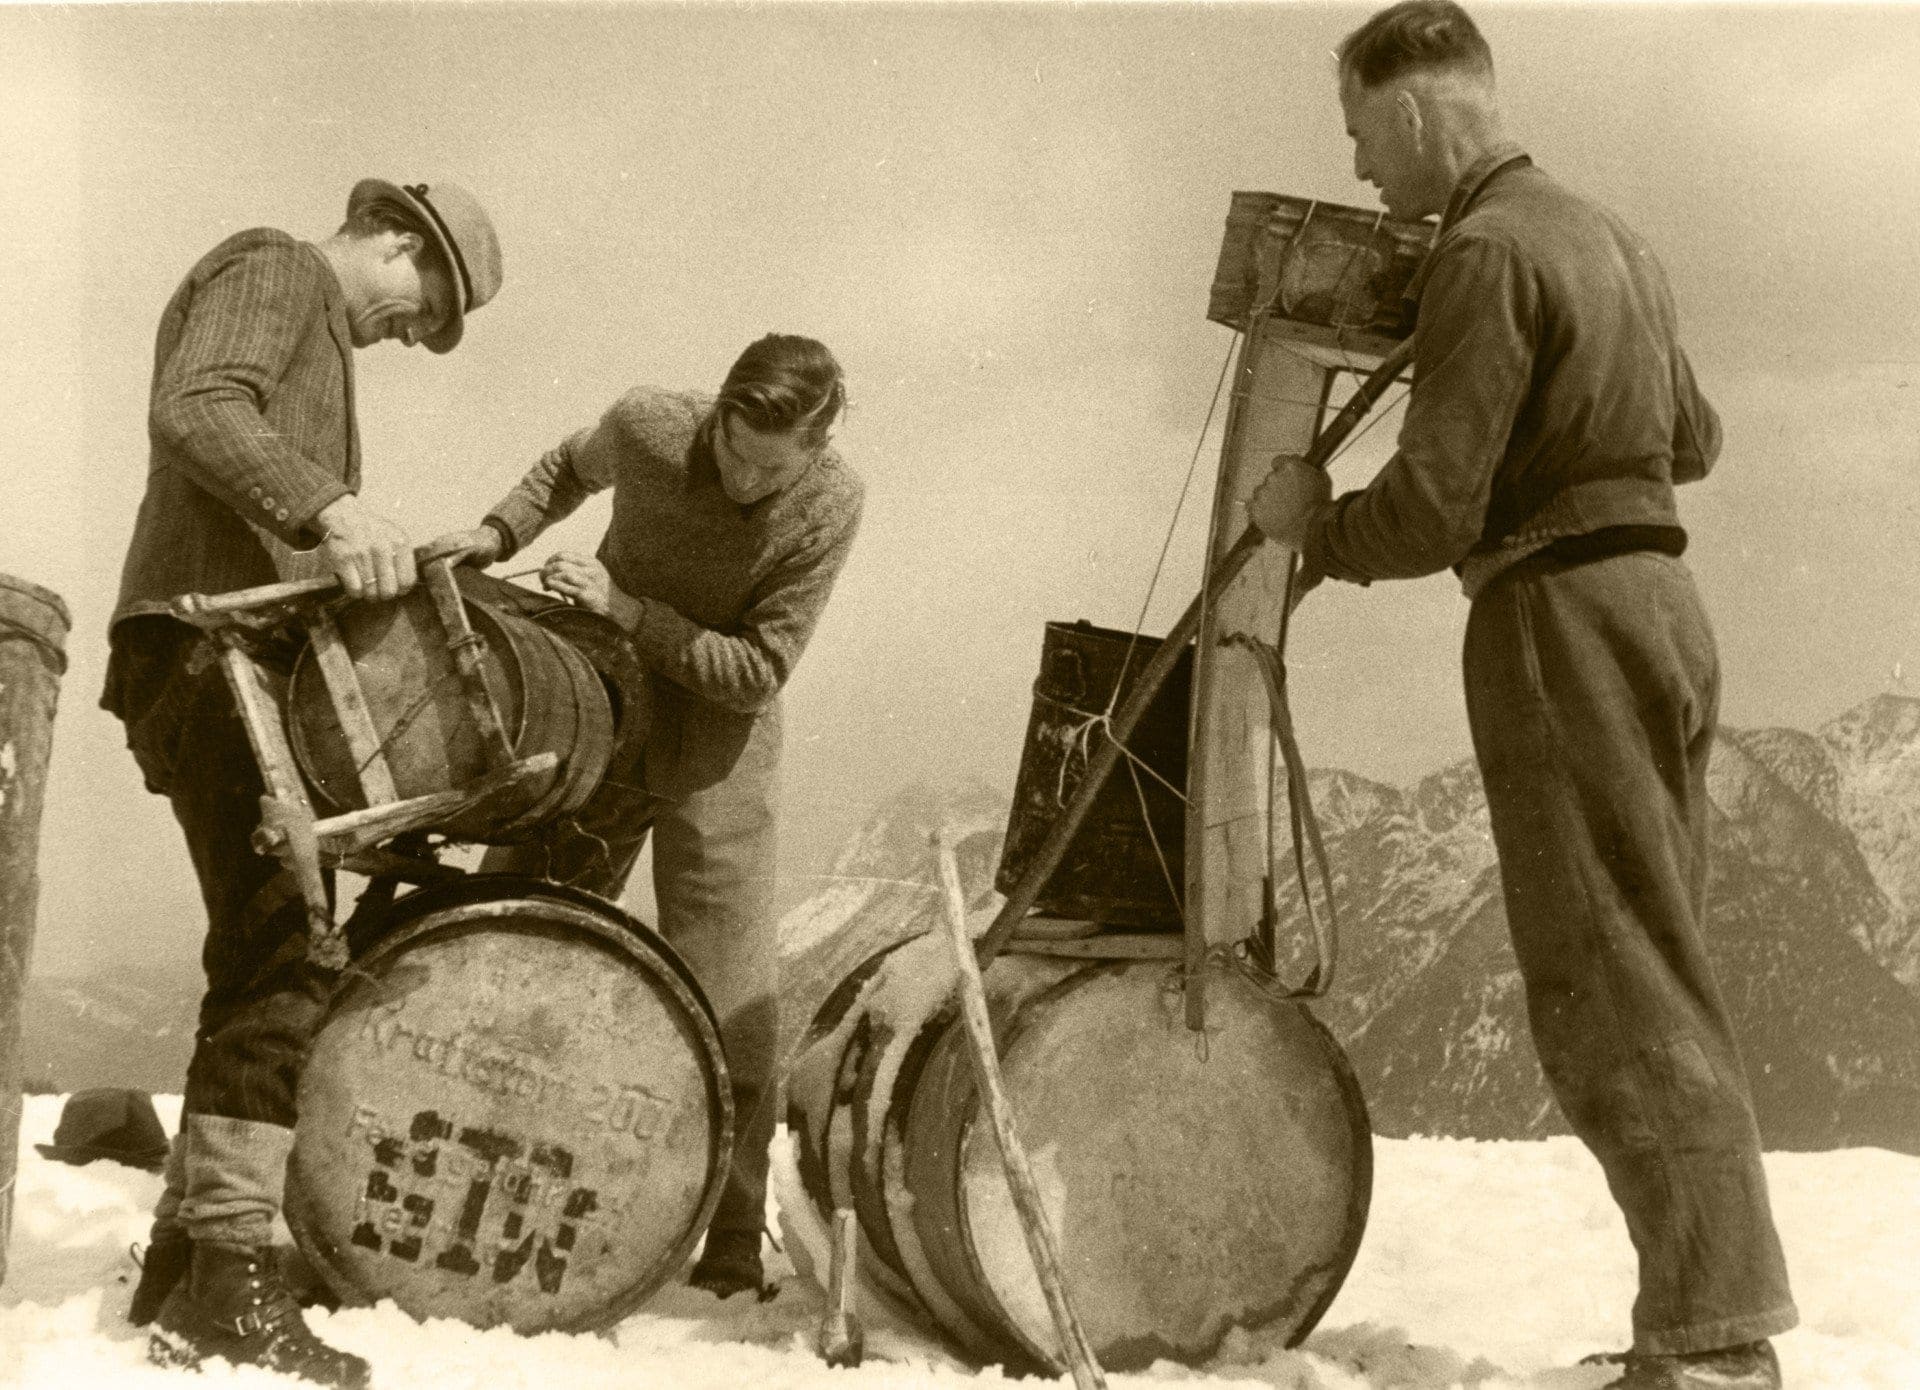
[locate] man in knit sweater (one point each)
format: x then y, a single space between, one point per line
731 520
1552 412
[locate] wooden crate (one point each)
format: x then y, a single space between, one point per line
1337 268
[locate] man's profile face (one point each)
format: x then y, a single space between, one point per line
406 296
1385 152
757 463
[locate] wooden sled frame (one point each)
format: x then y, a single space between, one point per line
289 830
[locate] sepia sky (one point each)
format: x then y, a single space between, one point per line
1004 219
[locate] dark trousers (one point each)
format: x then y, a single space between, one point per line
1592 692
263 1001
708 800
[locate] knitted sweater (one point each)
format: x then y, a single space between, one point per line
728 594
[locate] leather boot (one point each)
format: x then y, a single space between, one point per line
233 1305
1750 1366
161 1267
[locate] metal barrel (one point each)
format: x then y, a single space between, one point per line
515 1112
33 633
550 697
1195 1182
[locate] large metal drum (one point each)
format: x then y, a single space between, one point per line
1195 1182
548 694
515 1112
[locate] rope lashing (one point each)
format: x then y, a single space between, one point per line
1224 571
1302 821
1080 739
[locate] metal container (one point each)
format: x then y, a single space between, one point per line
516 1112
1125 866
1195 1182
33 633
549 696
1342 268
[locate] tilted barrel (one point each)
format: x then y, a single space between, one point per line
1195 1182
516 1112
548 693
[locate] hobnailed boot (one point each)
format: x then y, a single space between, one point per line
233 1305
729 1263
161 1267
1750 1366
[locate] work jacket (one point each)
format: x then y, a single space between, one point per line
1550 396
250 423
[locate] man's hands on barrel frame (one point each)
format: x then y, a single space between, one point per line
1287 506
479 546
369 553
584 582
579 579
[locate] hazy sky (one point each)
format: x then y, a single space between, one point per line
1004 219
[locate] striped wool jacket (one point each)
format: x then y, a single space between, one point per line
250 423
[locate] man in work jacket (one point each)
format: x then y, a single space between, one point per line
1552 412
731 519
255 459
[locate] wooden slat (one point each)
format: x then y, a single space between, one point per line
1232 766
350 709
343 834
260 713
467 646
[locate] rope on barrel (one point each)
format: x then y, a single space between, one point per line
1080 739
407 716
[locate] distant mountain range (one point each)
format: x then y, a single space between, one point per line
1813 924
77 1032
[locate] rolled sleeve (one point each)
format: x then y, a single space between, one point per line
1473 361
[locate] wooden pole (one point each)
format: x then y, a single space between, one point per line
841 1341
33 634
1026 1192
1106 751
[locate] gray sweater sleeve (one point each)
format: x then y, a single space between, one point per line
566 475
745 667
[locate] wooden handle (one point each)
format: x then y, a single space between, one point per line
207 609
1026 1192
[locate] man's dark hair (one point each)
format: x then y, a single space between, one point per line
1415 36
784 383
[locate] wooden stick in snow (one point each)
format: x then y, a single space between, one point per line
1026 1192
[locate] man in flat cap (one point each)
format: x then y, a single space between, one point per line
1553 410
252 477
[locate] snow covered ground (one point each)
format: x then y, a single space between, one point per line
1487 1265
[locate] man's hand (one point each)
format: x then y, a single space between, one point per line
579 579
1285 506
369 553
479 546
